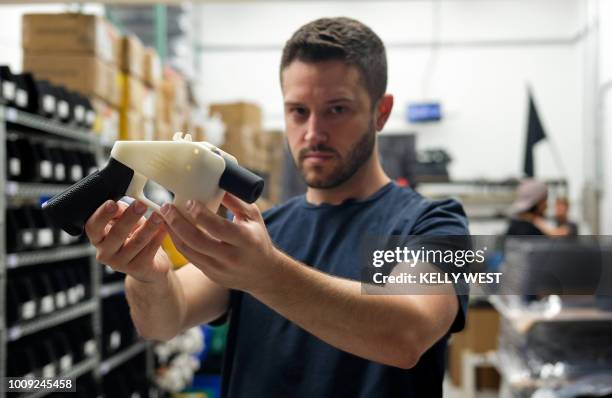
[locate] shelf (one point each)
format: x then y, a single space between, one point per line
122 357
25 119
57 318
61 253
74 373
14 189
523 319
110 289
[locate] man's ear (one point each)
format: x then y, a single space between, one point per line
383 111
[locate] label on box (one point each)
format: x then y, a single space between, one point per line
60 299
89 348
48 370
22 98
15 166
115 340
66 362
28 310
79 113
63 109
27 237
47 304
76 173
104 42
48 103
46 169
8 90
45 237
60 171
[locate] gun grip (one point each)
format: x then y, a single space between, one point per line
71 209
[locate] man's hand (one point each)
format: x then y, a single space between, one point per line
237 255
127 242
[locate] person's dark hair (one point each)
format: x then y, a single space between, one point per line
343 39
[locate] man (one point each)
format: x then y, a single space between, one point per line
299 323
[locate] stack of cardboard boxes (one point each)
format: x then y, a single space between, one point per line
258 150
80 52
269 159
137 101
173 107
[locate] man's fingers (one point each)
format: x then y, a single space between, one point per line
191 235
122 228
240 208
94 227
217 226
140 238
148 252
202 261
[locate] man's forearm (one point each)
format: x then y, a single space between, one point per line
390 329
157 308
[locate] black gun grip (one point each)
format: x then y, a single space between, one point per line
71 209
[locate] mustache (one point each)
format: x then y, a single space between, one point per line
319 148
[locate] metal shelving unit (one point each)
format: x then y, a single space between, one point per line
121 357
57 318
78 370
13 120
15 260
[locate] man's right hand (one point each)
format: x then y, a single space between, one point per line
127 242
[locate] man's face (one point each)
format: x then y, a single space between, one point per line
329 121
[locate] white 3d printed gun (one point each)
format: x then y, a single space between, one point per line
190 170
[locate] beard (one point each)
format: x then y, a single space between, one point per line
345 167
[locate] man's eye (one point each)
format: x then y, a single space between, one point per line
338 109
298 111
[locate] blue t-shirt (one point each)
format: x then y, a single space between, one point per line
269 356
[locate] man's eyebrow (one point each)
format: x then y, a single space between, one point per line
341 99
292 103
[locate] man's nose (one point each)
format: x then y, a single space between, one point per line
315 131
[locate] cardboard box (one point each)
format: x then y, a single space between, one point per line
148 129
152 69
149 99
130 125
107 120
133 93
85 74
238 114
132 56
174 89
479 336
69 33
162 132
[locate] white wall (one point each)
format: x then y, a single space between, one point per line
605 106
494 48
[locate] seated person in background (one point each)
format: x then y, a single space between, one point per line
527 211
561 212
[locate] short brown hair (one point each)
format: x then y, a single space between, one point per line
343 39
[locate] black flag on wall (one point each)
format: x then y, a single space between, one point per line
535 133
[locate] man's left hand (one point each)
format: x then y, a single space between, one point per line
236 254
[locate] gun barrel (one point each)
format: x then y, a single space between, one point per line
241 182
